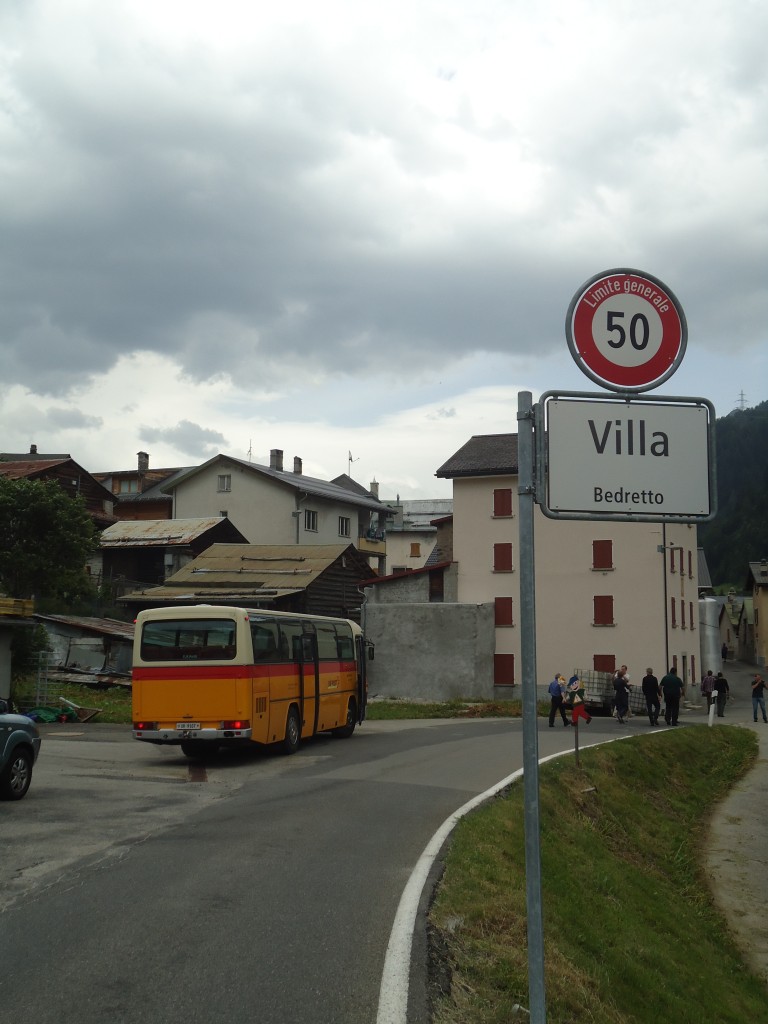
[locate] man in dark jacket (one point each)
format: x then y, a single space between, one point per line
652 693
723 692
672 688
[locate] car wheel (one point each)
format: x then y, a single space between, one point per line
345 731
17 775
292 732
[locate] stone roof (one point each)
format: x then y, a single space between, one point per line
483 455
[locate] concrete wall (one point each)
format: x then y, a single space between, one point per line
431 651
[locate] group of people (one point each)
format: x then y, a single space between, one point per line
715 684
670 688
570 696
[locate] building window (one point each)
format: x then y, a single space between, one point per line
602 554
344 526
223 513
690 615
310 520
503 670
503 611
502 558
604 662
674 612
602 611
224 482
502 502
415 550
127 486
399 570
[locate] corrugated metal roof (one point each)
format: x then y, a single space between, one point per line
156 532
106 627
237 571
419 513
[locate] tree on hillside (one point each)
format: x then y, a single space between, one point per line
45 538
739 532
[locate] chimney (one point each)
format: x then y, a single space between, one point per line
276 459
143 461
297 465
374 488
33 449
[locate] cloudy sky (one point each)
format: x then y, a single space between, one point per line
353 228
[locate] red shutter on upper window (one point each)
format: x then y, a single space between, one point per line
502 557
674 611
502 501
503 611
602 554
603 610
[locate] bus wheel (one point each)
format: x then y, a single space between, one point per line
199 749
292 732
345 731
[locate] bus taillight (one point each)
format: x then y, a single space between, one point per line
144 726
236 725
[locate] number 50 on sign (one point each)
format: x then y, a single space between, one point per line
626 330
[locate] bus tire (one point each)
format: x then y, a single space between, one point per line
199 749
292 731
345 731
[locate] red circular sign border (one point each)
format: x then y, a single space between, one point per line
593 363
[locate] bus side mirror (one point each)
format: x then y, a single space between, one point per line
370 652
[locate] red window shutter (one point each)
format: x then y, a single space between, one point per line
602 554
503 611
503 670
690 565
502 558
674 612
502 501
671 560
604 662
603 610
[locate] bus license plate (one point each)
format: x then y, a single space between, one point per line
187 725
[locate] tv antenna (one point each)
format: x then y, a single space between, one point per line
350 460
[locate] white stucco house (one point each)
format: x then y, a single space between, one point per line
607 593
271 505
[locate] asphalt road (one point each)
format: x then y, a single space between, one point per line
137 886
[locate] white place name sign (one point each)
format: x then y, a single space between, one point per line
628 458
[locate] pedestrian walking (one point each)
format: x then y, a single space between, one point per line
576 697
672 688
556 692
707 686
621 693
758 696
652 694
724 651
723 694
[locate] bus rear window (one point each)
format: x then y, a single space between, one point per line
188 640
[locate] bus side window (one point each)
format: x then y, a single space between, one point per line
345 648
290 633
264 636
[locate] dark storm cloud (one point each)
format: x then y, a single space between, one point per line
189 438
264 214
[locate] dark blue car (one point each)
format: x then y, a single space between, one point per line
19 747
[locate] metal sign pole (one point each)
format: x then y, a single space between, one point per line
526 493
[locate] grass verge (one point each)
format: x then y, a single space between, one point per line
631 931
115 704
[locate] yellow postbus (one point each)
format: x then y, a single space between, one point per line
209 675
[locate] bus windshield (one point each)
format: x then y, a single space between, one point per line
188 640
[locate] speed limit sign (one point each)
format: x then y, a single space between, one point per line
626 330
